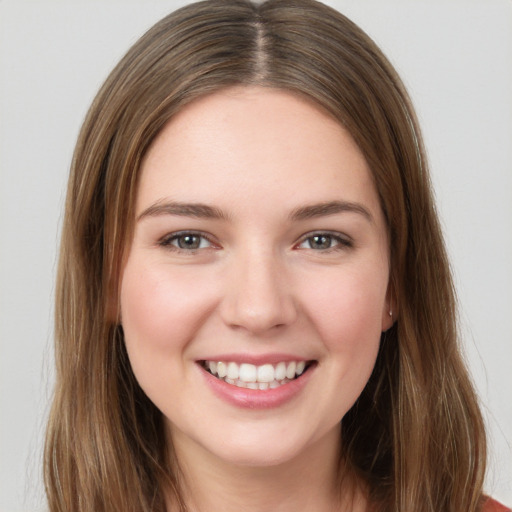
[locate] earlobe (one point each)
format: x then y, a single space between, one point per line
388 319
389 313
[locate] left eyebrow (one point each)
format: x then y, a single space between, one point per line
198 210
329 208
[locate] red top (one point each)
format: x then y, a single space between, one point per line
493 506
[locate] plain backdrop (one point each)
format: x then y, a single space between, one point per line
454 56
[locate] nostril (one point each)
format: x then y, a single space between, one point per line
257 298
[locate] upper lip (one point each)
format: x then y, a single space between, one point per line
255 359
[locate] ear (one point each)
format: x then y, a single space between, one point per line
389 311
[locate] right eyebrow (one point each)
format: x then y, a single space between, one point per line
197 210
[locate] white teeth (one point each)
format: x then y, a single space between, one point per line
232 371
222 369
248 372
266 376
290 370
280 371
266 373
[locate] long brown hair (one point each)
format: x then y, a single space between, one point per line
415 436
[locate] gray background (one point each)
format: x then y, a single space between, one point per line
456 59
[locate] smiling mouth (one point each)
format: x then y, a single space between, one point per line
262 377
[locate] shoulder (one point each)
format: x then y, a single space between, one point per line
491 505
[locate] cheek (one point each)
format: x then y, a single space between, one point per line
160 312
346 310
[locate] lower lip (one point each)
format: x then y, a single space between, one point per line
256 398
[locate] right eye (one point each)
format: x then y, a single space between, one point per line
186 241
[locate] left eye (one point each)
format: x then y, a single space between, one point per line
186 241
322 242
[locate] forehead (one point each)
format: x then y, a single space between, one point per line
254 146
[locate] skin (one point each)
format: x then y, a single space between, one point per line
257 284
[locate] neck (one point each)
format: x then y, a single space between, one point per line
309 482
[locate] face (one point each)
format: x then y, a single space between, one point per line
255 289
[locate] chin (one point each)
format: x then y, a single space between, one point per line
263 456
263 448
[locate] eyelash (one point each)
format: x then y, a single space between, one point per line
167 241
341 242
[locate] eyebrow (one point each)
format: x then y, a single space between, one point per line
204 211
197 210
329 208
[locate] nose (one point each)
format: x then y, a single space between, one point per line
259 296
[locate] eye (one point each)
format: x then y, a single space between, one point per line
186 241
324 242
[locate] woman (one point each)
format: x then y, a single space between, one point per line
254 304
